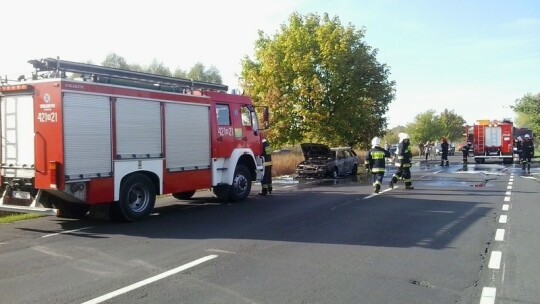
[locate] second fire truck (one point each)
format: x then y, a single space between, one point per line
120 138
492 140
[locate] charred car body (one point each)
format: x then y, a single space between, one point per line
321 161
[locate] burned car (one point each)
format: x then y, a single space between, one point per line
321 160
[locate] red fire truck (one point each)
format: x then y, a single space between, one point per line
492 140
120 137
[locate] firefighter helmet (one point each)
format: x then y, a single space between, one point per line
403 136
375 142
527 136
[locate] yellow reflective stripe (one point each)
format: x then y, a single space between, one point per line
267 164
376 170
377 155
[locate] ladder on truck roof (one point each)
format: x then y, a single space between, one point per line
115 76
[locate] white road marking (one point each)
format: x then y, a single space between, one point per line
503 219
508 193
153 279
65 232
499 235
220 251
510 183
495 260
509 187
375 194
505 207
507 198
488 295
511 180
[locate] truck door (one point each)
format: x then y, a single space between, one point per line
224 130
247 125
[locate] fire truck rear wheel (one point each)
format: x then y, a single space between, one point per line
183 195
137 198
241 186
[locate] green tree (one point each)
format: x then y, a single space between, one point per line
391 136
116 61
430 126
529 105
197 72
157 67
200 73
180 73
452 125
425 127
321 81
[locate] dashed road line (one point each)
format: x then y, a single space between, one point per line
375 194
499 235
508 193
153 279
65 232
495 260
503 219
488 295
505 207
507 198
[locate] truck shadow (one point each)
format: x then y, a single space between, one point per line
318 215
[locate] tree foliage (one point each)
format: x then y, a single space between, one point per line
430 126
529 107
392 136
200 73
197 72
321 81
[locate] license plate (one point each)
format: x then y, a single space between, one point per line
21 195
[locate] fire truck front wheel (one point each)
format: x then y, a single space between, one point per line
241 186
137 198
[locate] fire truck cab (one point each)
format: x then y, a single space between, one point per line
120 138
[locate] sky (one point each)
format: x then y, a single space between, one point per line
471 57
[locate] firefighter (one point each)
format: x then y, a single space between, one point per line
266 182
465 150
376 163
444 152
519 148
404 157
527 152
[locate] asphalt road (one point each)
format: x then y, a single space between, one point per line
311 241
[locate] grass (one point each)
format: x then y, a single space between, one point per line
11 218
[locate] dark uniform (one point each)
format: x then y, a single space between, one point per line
266 181
444 153
519 148
528 153
376 164
404 156
465 150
